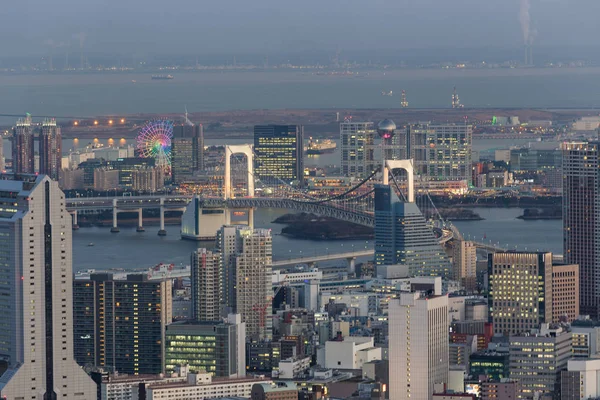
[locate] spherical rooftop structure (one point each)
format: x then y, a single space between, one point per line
386 128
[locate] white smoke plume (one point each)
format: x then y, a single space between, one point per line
81 37
525 20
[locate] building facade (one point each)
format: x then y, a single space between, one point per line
581 380
50 149
254 290
147 179
565 293
402 236
187 152
418 345
581 216
536 376
36 291
520 291
120 324
218 348
440 152
357 148
279 153
464 264
206 285
23 147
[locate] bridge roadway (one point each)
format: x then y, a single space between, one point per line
178 201
324 257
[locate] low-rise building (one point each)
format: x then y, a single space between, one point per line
274 391
505 389
351 352
202 386
293 367
581 380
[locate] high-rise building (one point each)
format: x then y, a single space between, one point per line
581 217
147 179
526 351
206 285
127 167
520 291
440 152
229 244
357 148
464 264
36 292
22 147
254 291
120 323
187 151
418 344
402 236
279 153
217 347
565 293
50 149
581 380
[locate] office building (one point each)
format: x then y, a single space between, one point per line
418 344
279 153
581 380
127 167
36 292
22 146
357 149
229 244
206 285
50 149
525 366
505 389
402 236
586 338
216 347
440 152
254 290
565 293
120 323
520 291
464 264
262 356
581 216
350 352
494 365
534 160
187 152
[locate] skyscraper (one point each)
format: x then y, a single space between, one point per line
357 148
22 147
229 244
254 291
418 344
206 285
279 153
36 292
440 152
402 236
187 151
50 149
120 323
581 218
464 264
520 291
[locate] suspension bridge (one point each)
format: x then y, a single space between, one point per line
237 188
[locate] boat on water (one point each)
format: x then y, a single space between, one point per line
91 244
162 77
387 93
320 146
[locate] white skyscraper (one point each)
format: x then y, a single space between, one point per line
418 345
254 293
229 243
36 294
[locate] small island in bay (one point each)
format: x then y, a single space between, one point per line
458 214
541 213
316 227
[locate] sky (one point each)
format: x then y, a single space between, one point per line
255 26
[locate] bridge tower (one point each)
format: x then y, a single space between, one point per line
230 150
390 165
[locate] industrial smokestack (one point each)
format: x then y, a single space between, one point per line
526 55
531 54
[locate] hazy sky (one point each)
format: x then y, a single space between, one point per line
226 26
